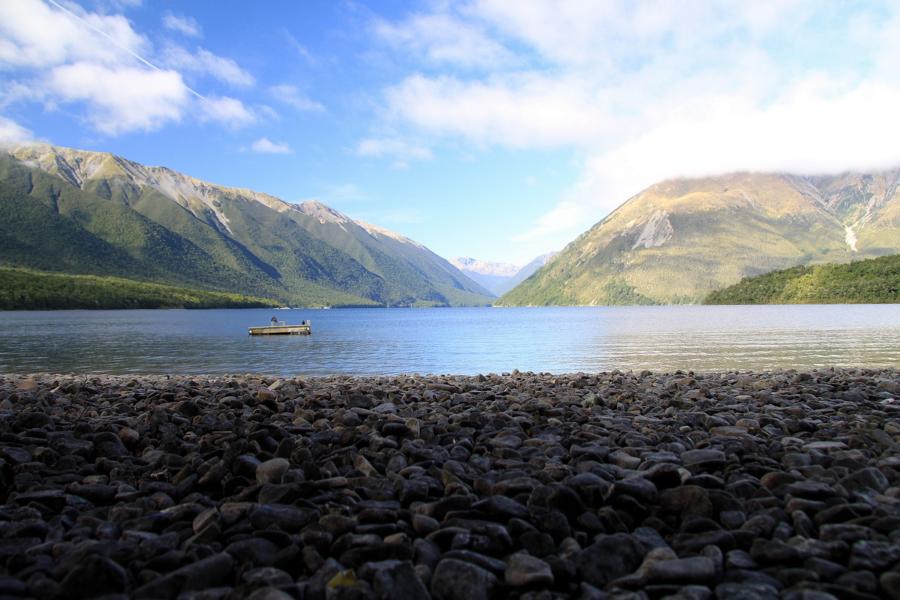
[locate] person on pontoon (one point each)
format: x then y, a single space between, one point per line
274 321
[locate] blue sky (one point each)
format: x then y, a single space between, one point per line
496 129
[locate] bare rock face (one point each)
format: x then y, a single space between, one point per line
533 486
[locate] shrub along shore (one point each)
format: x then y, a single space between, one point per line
615 485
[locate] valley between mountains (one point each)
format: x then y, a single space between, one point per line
92 213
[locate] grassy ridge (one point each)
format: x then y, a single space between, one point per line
874 281
22 289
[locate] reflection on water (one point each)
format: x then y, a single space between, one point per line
464 340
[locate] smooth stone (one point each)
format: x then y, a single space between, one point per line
705 459
205 573
272 470
94 576
523 570
269 593
609 558
697 569
865 480
457 580
398 580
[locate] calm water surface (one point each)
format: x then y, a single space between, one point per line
459 340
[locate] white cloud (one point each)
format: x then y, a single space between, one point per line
182 24
99 63
643 91
227 111
442 39
12 133
521 110
266 146
393 147
204 62
293 97
34 35
120 99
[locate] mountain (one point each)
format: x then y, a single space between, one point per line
872 281
528 270
82 212
498 277
492 276
680 239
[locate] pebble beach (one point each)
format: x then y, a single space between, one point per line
617 485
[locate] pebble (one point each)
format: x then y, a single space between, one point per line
523 570
620 485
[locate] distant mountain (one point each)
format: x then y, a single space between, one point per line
872 281
679 240
84 212
528 270
498 277
492 276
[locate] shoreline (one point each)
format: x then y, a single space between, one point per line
708 485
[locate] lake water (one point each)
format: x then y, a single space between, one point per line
453 340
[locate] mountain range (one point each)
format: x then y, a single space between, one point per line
76 211
498 277
680 239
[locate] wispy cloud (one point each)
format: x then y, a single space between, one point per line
182 24
266 146
293 97
227 111
393 147
441 38
12 133
204 62
301 50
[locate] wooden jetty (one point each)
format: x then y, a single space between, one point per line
282 328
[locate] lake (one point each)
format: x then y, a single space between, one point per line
453 340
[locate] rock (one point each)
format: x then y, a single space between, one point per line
890 585
271 471
257 551
661 486
746 591
12 586
457 580
609 558
869 479
706 459
687 501
28 385
399 581
523 570
825 446
94 576
282 516
205 573
267 576
269 593
874 555
697 569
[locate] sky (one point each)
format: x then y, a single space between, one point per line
497 129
